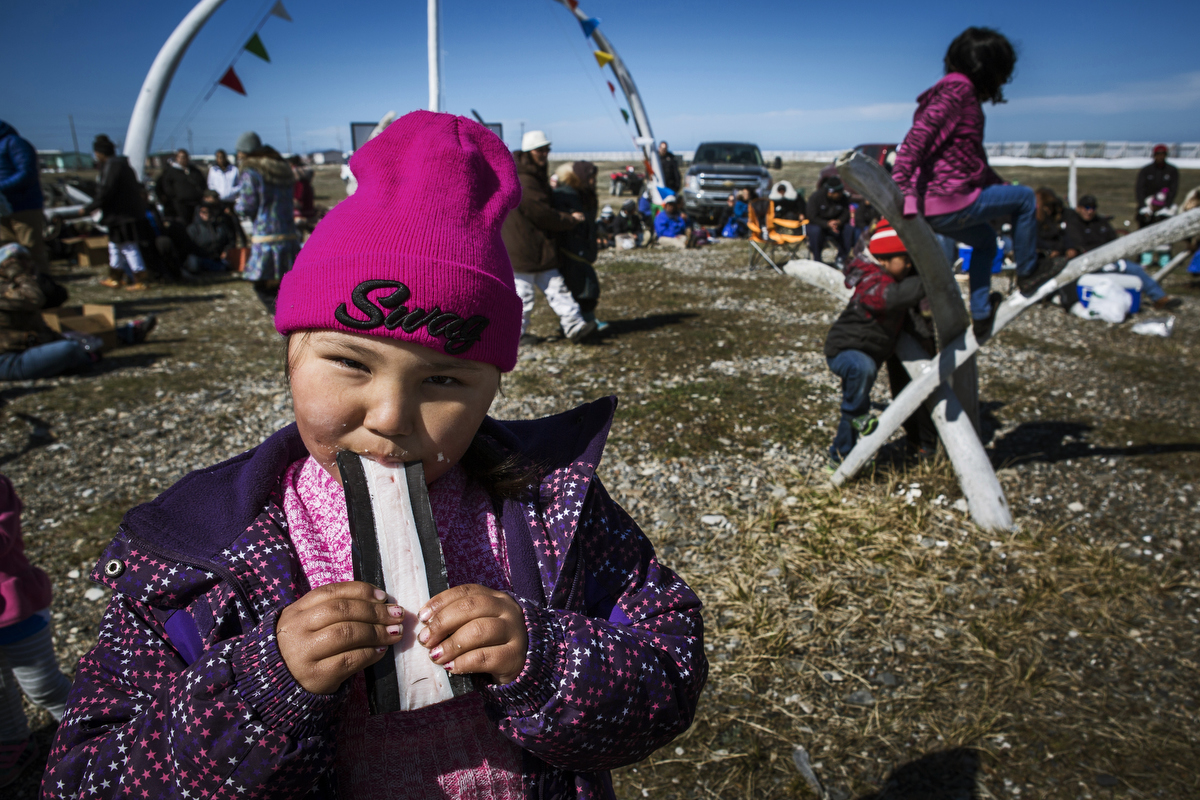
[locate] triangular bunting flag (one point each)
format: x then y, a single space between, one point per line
278 10
589 25
256 46
625 114
612 88
602 58
230 80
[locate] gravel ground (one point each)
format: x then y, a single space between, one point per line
869 638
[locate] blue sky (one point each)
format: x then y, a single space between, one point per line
788 75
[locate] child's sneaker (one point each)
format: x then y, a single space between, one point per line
865 425
15 757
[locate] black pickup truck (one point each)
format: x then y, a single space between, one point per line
719 169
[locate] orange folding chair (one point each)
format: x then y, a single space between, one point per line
786 233
760 234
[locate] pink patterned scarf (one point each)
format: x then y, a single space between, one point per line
460 751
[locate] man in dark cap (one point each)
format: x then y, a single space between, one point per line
829 220
1086 230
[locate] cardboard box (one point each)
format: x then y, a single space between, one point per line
96 320
92 251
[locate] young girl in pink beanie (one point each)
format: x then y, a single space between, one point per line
231 657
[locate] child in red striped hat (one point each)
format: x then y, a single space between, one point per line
864 337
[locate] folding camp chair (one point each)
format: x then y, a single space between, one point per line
786 233
760 236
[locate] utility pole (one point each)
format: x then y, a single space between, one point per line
75 142
435 53
287 126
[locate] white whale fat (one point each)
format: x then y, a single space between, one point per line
422 682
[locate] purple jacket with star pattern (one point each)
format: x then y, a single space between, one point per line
208 709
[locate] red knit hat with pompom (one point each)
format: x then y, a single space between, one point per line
885 241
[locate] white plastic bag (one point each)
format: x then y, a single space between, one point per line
1161 326
1109 301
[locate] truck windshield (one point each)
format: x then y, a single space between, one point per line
728 154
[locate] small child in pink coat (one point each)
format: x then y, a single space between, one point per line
27 660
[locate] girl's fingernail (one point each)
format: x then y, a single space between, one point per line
423 636
380 594
449 667
393 630
425 615
435 653
380 649
396 611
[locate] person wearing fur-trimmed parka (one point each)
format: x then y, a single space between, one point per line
265 195
230 660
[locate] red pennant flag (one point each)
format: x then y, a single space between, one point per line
230 80
612 88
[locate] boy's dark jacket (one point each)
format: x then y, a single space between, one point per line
614 670
874 317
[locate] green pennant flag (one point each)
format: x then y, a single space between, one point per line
256 46
625 114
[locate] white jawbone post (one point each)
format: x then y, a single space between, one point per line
158 80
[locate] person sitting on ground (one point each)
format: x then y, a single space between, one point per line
789 203
528 234
180 187
1087 230
223 178
943 172
209 240
864 336
863 216
829 221
163 247
1052 238
606 227
1157 179
630 222
123 212
28 348
670 225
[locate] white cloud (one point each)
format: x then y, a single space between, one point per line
1177 93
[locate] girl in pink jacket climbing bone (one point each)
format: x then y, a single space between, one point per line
943 172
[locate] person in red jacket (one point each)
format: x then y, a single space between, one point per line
943 172
864 336
27 660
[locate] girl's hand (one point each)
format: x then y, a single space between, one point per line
472 628
335 631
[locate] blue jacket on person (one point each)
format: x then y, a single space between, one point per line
19 178
668 225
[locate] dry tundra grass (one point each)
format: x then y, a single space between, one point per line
907 653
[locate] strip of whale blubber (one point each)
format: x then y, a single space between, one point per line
383 687
431 550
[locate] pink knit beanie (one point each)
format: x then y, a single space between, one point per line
415 254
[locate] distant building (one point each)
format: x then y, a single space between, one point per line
327 157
